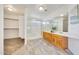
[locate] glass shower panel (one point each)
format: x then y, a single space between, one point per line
34 28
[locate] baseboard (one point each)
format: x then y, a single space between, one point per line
68 52
21 38
15 38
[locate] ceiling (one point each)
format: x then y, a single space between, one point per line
33 9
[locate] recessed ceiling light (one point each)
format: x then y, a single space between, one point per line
10 9
61 15
41 8
45 22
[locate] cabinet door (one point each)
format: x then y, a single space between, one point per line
47 36
53 38
60 41
64 42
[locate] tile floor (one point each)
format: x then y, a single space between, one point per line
39 47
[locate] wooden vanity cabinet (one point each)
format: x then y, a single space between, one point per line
47 36
57 40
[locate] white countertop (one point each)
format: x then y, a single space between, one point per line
67 34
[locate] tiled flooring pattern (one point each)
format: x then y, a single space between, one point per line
11 45
39 47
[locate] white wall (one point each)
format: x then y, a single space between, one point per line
73 31
1 29
11 33
74 42
25 25
12 16
17 24
11 24
73 28
21 27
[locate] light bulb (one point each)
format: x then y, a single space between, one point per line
10 9
61 15
41 8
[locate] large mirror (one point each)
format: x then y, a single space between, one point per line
59 24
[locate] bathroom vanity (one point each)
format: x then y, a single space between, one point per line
56 39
